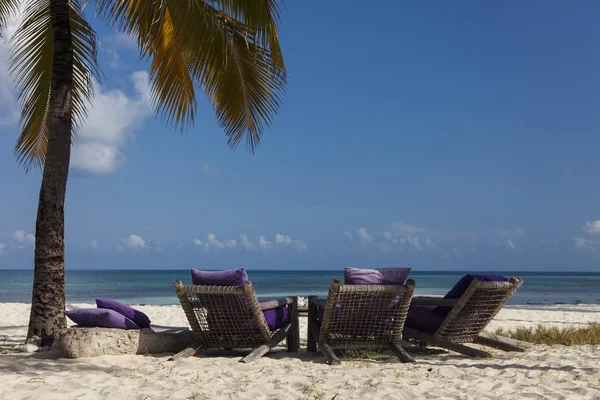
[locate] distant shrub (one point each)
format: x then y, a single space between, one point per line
552 335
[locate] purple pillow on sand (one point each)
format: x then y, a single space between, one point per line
100 317
232 277
385 276
136 316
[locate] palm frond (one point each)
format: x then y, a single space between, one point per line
85 64
230 60
234 69
32 53
8 9
260 17
173 92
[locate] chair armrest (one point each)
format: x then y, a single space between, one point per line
433 301
271 304
317 301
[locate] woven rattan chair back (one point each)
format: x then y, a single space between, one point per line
475 309
365 316
224 316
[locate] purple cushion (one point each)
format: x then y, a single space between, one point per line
232 277
459 289
385 276
100 317
136 316
461 286
276 318
423 318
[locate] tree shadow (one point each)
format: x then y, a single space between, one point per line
48 362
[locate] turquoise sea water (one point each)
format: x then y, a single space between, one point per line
156 286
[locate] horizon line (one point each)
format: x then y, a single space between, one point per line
306 270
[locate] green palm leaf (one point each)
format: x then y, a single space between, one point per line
8 8
173 92
197 42
31 58
260 17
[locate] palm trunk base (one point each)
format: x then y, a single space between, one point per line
48 304
48 298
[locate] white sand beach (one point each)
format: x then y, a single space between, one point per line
557 372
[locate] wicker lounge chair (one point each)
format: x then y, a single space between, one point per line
359 317
228 317
448 323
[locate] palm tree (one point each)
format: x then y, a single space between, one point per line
228 48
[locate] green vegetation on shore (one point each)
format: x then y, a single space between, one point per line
552 335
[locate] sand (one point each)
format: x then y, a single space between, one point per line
557 372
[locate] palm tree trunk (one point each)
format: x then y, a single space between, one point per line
48 297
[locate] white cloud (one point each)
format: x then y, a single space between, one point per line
21 237
579 242
113 118
9 105
300 245
364 236
97 158
109 47
135 242
93 244
585 244
211 171
285 240
124 41
414 242
247 244
397 238
113 115
115 59
2 247
592 227
263 243
282 239
213 244
510 244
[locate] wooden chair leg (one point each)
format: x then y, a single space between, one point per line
409 333
256 353
313 336
330 356
264 349
501 343
401 353
293 338
185 353
460 348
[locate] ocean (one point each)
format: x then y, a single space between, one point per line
156 286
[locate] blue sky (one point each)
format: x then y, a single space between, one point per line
439 135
